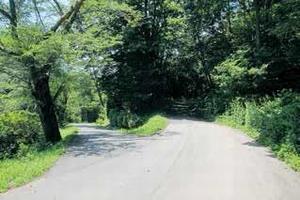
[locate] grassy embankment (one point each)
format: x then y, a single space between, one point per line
153 125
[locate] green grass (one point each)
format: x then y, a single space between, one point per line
152 126
16 172
284 152
68 133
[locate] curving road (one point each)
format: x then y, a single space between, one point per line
191 160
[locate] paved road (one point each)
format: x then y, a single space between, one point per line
192 160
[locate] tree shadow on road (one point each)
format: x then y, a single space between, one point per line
102 142
268 152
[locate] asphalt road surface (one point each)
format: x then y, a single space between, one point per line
190 160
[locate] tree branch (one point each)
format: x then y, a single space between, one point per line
74 9
70 22
59 91
5 14
58 7
14 19
38 12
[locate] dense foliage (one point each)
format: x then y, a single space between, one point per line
272 121
18 130
276 118
124 119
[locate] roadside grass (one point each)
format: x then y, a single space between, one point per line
284 152
153 125
18 171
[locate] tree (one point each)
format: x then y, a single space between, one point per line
35 53
152 59
210 34
102 25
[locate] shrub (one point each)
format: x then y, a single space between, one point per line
102 119
237 111
124 119
253 117
17 130
277 119
281 119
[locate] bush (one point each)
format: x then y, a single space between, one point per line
273 121
237 111
281 119
124 119
18 129
277 119
253 117
102 119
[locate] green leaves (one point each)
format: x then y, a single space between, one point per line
236 74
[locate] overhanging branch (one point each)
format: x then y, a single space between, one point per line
59 91
38 12
73 10
58 7
5 14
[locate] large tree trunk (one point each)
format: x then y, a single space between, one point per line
47 112
13 18
228 16
46 106
257 24
41 92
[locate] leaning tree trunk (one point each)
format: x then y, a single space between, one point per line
41 92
